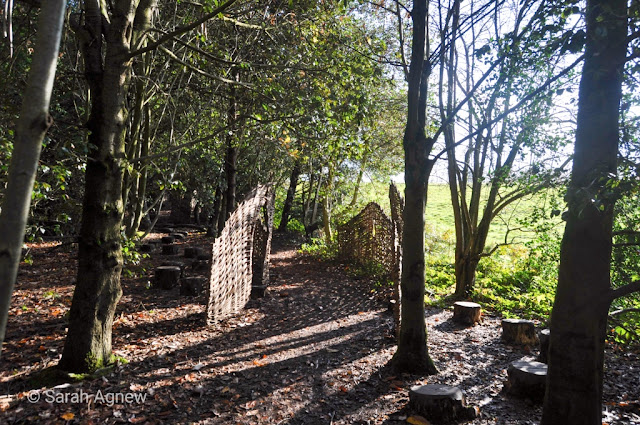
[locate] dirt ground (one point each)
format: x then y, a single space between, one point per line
314 350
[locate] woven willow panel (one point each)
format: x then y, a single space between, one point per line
368 239
241 255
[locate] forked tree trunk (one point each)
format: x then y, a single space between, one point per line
412 354
465 269
579 318
32 126
291 193
88 343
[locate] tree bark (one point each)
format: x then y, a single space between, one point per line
412 354
579 317
31 128
291 193
88 343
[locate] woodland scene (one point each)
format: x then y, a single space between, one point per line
320 212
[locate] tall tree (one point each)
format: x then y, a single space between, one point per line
111 36
31 129
412 354
579 318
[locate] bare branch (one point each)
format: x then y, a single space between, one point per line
181 30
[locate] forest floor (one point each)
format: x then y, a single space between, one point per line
314 350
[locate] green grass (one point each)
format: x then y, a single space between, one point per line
439 213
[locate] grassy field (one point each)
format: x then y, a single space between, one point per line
439 214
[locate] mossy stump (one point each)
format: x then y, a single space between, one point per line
167 277
520 332
442 403
544 345
467 313
192 286
527 379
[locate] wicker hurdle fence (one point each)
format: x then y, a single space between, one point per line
371 238
240 260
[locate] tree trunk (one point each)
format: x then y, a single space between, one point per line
363 165
88 343
579 318
32 126
231 157
412 354
465 269
326 208
291 193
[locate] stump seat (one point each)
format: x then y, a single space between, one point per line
170 249
467 313
440 403
166 277
527 378
192 286
519 331
192 252
544 345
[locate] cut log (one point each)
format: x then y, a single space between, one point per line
175 264
170 249
519 331
192 286
544 345
168 239
440 403
167 277
467 313
527 379
192 252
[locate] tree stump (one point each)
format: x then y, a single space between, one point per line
168 239
467 313
440 403
170 249
527 379
175 264
519 331
191 252
544 345
167 277
192 286
200 266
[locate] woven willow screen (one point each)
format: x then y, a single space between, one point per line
368 239
241 255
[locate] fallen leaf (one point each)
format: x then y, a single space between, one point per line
417 420
67 416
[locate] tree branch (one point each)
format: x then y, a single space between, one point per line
181 30
625 290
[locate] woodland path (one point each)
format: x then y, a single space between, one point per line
313 351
